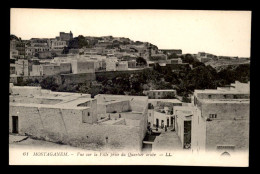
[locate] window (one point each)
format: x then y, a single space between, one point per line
225 96
209 96
88 114
212 115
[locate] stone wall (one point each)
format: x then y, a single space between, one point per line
65 68
77 78
49 70
34 100
113 74
81 66
66 126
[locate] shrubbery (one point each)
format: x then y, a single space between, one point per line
185 82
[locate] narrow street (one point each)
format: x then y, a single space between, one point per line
167 141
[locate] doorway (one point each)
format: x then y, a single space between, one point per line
162 124
172 121
15 124
187 134
157 122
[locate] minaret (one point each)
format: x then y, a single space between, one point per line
71 35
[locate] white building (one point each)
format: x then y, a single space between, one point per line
158 94
57 44
22 67
163 118
220 122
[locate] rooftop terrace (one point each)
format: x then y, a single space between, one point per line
21 96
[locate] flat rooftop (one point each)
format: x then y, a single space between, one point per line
49 99
137 103
163 90
111 101
225 100
165 100
46 106
123 97
220 91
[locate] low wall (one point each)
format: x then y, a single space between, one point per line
120 106
26 91
112 74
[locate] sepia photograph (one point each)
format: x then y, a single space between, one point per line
129 87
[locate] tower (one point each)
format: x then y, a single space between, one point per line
71 35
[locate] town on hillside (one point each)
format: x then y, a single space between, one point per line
111 92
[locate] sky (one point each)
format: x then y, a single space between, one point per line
226 33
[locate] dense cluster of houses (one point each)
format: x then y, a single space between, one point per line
214 120
205 57
52 56
43 57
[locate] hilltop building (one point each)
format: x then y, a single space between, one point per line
171 51
174 61
65 36
205 57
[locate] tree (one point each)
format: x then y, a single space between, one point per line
141 61
36 54
188 58
169 96
73 43
157 68
186 99
82 41
49 83
14 37
53 54
201 77
65 50
172 56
